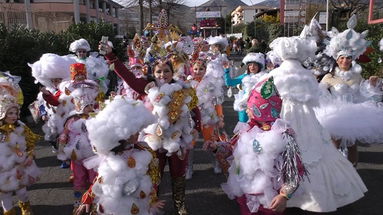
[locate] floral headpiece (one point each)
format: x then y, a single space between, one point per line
77 69
7 102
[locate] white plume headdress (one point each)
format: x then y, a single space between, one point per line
120 119
51 66
293 48
347 43
79 44
218 40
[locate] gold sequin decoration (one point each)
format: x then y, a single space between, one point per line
31 139
175 105
194 99
131 162
135 209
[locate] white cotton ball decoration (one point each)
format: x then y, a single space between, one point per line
293 48
117 121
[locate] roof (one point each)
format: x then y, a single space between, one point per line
268 3
223 3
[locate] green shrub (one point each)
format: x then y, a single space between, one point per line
20 46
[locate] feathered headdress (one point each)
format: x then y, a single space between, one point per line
348 43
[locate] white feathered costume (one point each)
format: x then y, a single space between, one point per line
52 66
334 182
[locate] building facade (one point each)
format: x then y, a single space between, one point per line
58 15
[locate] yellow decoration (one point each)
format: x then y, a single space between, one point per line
135 209
153 170
131 162
6 130
175 105
30 139
194 99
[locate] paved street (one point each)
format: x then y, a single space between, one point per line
52 195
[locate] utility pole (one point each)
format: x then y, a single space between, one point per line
150 12
327 14
141 6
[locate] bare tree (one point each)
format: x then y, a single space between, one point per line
170 5
350 6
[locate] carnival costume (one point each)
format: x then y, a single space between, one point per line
349 98
172 103
18 169
51 66
127 170
96 66
333 180
74 140
247 82
265 160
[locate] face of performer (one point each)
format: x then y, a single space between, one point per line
199 70
215 48
81 53
56 81
163 73
79 77
344 62
253 68
11 116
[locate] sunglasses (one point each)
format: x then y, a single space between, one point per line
81 51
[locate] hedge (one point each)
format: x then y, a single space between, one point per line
19 46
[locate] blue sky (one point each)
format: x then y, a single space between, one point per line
193 3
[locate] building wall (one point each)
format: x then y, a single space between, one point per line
248 15
58 15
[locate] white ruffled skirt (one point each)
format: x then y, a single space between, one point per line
333 182
352 122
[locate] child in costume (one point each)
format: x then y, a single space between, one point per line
96 66
127 169
265 163
171 136
333 180
74 139
211 111
18 169
50 71
255 63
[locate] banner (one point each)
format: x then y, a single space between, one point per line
208 14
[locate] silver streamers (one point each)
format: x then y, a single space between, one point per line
293 170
